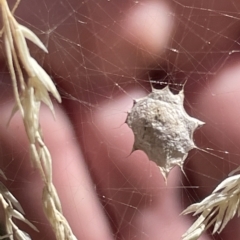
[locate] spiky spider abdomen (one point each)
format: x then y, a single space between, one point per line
162 128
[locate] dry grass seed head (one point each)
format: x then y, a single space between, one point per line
29 94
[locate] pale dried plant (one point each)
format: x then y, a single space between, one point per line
31 86
216 210
12 209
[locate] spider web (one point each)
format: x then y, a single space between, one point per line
101 59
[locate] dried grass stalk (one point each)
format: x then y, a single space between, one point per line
29 93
